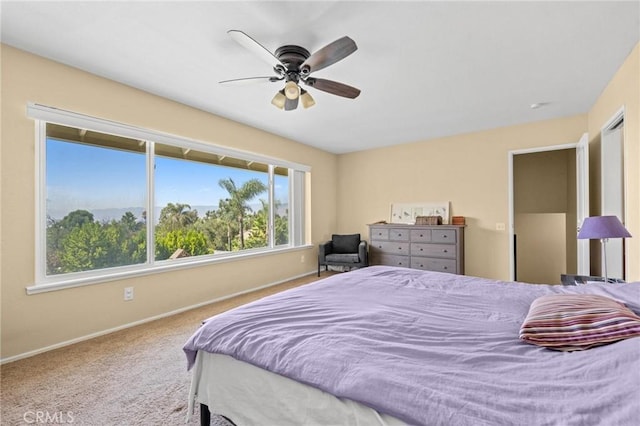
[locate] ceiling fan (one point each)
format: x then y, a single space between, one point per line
294 64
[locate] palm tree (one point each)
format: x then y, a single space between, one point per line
239 198
177 216
228 216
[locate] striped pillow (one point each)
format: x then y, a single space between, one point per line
573 322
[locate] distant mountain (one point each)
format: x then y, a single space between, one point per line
107 215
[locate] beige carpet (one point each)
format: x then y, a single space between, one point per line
135 376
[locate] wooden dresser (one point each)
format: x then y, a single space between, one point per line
429 247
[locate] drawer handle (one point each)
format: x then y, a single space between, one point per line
379 247
445 251
445 268
421 250
399 263
421 235
444 236
399 248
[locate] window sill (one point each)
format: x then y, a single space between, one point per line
161 267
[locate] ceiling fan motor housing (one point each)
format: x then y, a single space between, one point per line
292 57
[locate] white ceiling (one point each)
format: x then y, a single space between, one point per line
426 69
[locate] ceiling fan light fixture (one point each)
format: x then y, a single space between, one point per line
306 99
279 99
291 90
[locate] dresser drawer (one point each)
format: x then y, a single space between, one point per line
433 250
443 236
430 264
421 235
391 260
390 247
398 234
379 234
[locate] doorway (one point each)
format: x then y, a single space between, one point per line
544 208
548 200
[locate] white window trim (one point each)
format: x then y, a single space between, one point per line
74 119
297 208
80 279
45 114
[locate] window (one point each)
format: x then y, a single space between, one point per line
118 200
95 201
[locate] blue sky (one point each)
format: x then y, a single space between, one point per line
87 177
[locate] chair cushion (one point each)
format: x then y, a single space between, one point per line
345 243
343 257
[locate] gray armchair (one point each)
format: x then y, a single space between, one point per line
343 250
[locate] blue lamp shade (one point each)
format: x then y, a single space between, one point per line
599 227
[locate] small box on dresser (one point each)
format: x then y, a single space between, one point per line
432 248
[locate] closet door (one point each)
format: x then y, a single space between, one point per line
612 168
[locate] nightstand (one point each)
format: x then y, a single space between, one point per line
570 279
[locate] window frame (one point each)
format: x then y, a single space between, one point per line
42 115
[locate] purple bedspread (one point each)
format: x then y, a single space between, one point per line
432 349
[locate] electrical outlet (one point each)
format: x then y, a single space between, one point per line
500 227
302 259
128 293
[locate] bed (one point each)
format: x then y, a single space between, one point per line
390 346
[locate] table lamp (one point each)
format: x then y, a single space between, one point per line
603 228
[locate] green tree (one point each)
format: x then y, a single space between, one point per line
177 216
282 229
130 237
191 241
87 247
130 223
55 236
57 233
136 247
227 216
216 229
76 219
238 203
258 236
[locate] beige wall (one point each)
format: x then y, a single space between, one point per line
541 181
37 321
622 91
542 247
469 170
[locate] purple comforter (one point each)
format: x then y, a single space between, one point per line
432 349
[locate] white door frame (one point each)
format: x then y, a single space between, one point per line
582 203
511 154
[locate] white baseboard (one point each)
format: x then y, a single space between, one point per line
142 321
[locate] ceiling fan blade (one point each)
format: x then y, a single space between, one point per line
248 80
255 47
333 87
330 54
291 104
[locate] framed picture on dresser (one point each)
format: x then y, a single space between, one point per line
407 212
